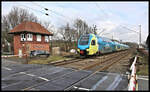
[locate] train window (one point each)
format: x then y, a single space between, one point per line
84 40
93 42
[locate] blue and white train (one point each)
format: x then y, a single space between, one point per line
90 44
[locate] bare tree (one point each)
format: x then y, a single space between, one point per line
70 35
45 24
18 15
13 18
83 28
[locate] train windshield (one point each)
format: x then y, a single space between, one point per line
84 40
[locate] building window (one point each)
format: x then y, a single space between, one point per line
29 37
23 37
46 39
38 38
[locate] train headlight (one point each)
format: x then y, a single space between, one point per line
78 50
87 49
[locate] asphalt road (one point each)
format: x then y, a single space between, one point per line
46 77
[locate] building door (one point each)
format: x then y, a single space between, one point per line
20 53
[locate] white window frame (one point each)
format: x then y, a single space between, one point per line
23 37
29 37
46 39
38 38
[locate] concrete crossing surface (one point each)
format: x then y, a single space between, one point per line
46 77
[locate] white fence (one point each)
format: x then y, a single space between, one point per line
13 55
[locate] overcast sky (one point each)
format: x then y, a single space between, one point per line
111 16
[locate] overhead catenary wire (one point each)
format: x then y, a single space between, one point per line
66 18
129 29
126 27
120 24
108 17
47 14
101 9
126 32
104 13
33 9
52 11
101 32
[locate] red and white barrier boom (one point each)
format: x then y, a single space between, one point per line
133 80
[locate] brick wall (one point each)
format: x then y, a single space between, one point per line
38 46
29 45
17 44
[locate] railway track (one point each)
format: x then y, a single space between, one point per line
63 62
124 53
84 60
99 69
90 62
106 63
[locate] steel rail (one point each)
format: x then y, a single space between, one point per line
67 88
103 59
28 88
74 60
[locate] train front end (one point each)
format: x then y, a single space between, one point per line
87 45
83 44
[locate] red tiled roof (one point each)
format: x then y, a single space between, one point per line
30 27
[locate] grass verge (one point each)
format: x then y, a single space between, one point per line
47 60
143 67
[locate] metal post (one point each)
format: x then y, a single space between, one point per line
112 35
139 36
26 58
77 35
51 44
82 26
26 52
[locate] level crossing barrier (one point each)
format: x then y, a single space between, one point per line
133 85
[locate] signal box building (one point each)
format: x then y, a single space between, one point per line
29 36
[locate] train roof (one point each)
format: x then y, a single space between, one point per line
116 42
104 38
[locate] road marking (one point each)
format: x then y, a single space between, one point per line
6 68
34 89
115 83
108 73
143 78
22 72
31 75
43 78
11 84
99 82
81 88
34 75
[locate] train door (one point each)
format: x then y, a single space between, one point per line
93 46
106 47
